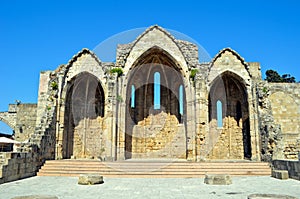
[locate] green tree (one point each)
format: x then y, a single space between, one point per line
273 76
288 78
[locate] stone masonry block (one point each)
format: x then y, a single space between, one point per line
280 174
90 179
217 179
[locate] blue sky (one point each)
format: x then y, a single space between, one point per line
41 35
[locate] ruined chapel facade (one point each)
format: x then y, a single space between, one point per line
159 101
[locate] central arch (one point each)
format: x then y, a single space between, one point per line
155 124
83 119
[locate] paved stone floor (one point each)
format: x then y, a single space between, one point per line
67 188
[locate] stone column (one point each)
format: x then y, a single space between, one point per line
111 115
190 121
254 126
121 119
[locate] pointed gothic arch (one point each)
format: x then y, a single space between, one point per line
233 139
84 111
157 79
151 38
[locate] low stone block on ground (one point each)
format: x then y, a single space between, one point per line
280 174
90 179
217 179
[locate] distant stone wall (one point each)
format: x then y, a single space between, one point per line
285 104
25 121
21 118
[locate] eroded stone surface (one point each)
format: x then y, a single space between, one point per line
217 179
164 140
90 179
280 174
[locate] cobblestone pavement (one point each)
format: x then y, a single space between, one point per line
67 187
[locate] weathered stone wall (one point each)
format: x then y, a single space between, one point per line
90 139
41 143
14 166
271 139
292 166
226 142
255 71
201 109
159 136
22 119
190 52
123 51
285 104
43 139
25 121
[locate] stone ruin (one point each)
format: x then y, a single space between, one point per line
157 100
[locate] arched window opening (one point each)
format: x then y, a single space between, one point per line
219 114
132 104
180 100
238 112
156 90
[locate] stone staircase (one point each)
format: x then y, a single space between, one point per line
153 169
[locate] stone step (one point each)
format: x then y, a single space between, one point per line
146 167
154 175
152 168
236 172
135 164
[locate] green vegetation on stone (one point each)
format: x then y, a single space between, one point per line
194 71
119 71
54 85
